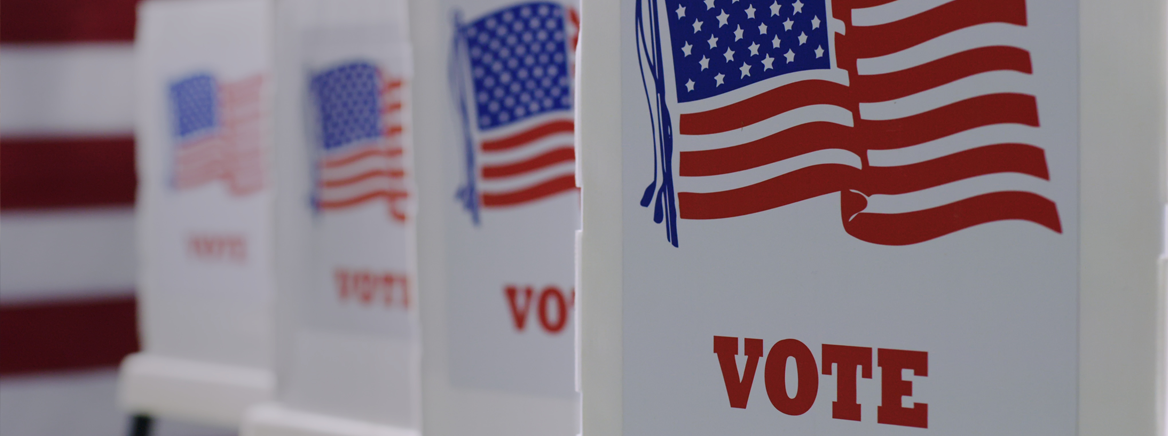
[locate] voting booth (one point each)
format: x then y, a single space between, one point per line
497 213
346 332
206 279
871 216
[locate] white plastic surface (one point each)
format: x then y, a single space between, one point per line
346 366
450 408
205 316
196 391
274 420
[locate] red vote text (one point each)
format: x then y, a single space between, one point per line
550 306
218 247
847 363
370 288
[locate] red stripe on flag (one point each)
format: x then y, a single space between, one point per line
885 39
990 159
920 226
67 335
765 105
551 157
545 189
529 135
40 21
884 87
392 85
393 174
947 120
798 140
345 160
843 8
782 190
393 130
390 195
52 173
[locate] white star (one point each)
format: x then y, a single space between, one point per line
790 56
775 42
753 49
798 6
815 22
819 52
802 38
745 69
709 4
729 55
750 12
787 24
697 26
705 63
719 78
762 29
686 48
713 41
738 33
722 18
766 63
689 85
775 8
680 11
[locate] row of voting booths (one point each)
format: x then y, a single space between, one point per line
289 219
454 217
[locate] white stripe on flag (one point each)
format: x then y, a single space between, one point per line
953 191
958 90
962 141
727 182
892 12
77 253
355 168
527 180
528 151
66 90
969 38
762 129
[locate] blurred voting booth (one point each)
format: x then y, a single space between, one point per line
498 209
274 138
206 280
871 216
347 350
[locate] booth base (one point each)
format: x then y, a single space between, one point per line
275 420
202 392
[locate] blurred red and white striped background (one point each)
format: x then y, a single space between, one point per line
67 185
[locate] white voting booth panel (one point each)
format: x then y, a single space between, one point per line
871 216
347 348
205 212
496 215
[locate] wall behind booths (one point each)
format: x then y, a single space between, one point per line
67 187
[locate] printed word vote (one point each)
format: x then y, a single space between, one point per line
845 360
552 306
368 287
211 247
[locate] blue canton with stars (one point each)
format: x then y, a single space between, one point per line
519 64
347 100
195 106
722 45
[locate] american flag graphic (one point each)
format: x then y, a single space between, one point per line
512 76
918 114
218 132
359 117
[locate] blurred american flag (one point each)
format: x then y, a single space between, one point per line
67 184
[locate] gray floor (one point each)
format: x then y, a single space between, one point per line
80 403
